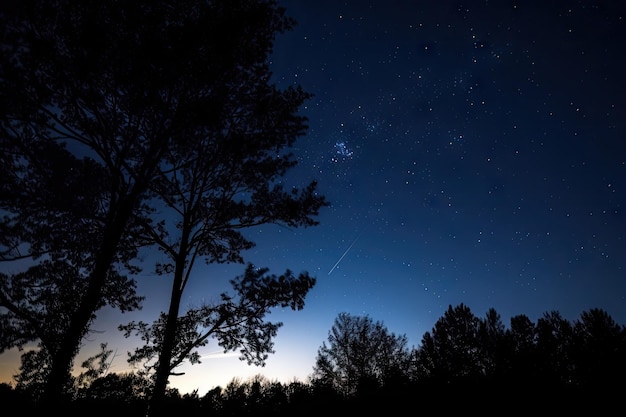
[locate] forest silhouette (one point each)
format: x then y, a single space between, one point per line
465 363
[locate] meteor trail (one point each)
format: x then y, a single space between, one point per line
344 254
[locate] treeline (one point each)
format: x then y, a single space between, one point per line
464 363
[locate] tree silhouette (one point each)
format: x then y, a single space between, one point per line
453 350
554 345
236 323
76 74
140 89
229 180
492 335
51 228
599 350
522 356
116 386
360 354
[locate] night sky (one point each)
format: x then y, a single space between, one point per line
472 152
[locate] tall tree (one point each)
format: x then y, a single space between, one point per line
230 180
493 344
599 354
554 347
75 73
237 322
452 351
133 86
521 341
50 229
360 351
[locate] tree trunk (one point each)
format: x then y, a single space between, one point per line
63 358
169 336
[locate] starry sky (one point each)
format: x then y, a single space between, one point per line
472 152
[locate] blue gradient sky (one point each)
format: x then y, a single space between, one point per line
473 153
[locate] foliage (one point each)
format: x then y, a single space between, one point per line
50 200
112 108
360 353
492 340
552 353
95 367
63 88
452 350
40 302
599 349
125 387
50 231
596 350
554 340
225 177
521 339
34 369
237 322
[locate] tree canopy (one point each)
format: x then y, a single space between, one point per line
359 353
112 109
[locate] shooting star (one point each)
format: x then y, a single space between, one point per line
344 254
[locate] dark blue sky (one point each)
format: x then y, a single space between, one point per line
473 152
